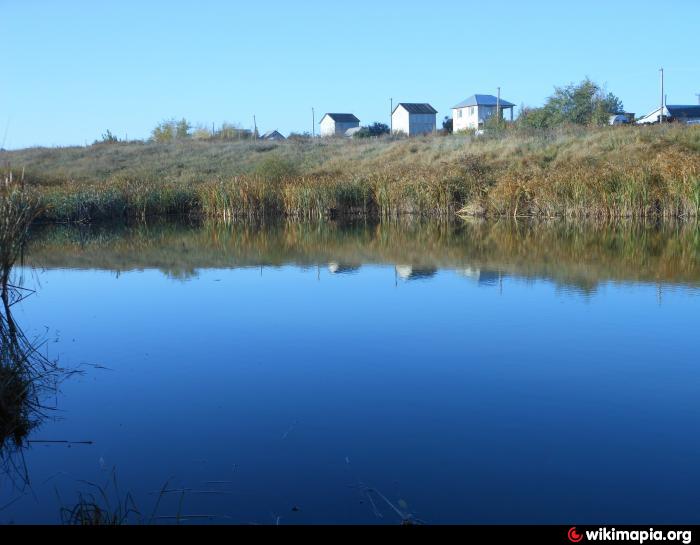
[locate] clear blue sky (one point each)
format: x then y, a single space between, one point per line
72 69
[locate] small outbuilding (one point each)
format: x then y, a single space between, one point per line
273 135
337 124
472 113
413 119
623 118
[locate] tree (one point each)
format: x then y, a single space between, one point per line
169 130
182 129
107 138
375 129
585 103
447 125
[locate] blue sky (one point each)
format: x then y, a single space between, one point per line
73 69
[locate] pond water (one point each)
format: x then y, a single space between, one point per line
329 373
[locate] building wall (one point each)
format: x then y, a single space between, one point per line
466 118
421 124
412 124
327 127
331 128
399 121
472 117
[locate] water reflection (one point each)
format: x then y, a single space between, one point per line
430 362
27 379
578 257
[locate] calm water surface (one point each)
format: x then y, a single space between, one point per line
471 373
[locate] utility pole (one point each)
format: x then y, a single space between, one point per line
255 129
313 123
661 115
498 107
391 115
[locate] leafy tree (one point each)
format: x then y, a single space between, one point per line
375 129
229 131
585 103
107 138
447 125
182 128
169 130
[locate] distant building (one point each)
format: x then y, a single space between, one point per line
409 272
342 268
678 113
473 112
338 124
622 118
272 135
412 119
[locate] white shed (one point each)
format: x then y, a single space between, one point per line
412 119
477 109
337 124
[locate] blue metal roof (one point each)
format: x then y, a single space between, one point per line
483 100
683 111
342 118
416 108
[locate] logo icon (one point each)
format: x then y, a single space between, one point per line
574 536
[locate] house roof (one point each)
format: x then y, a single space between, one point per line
269 134
683 111
416 108
342 118
483 100
674 111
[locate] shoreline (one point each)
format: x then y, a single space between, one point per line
595 173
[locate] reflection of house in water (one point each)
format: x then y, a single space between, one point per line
482 277
342 268
408 272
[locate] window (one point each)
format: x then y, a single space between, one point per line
459 114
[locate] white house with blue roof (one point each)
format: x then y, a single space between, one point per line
477 109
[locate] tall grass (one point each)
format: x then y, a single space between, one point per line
18 209
573 172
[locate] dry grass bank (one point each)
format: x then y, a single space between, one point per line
573 172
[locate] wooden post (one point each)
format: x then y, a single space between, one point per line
661 113
498 107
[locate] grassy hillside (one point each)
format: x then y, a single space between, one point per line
607 172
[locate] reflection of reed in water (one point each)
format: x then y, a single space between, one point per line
27 380
26 376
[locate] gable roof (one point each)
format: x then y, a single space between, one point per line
416 108
672 111
683 111
483 100
342 118
270 134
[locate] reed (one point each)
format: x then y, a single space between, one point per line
569 172
18 209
